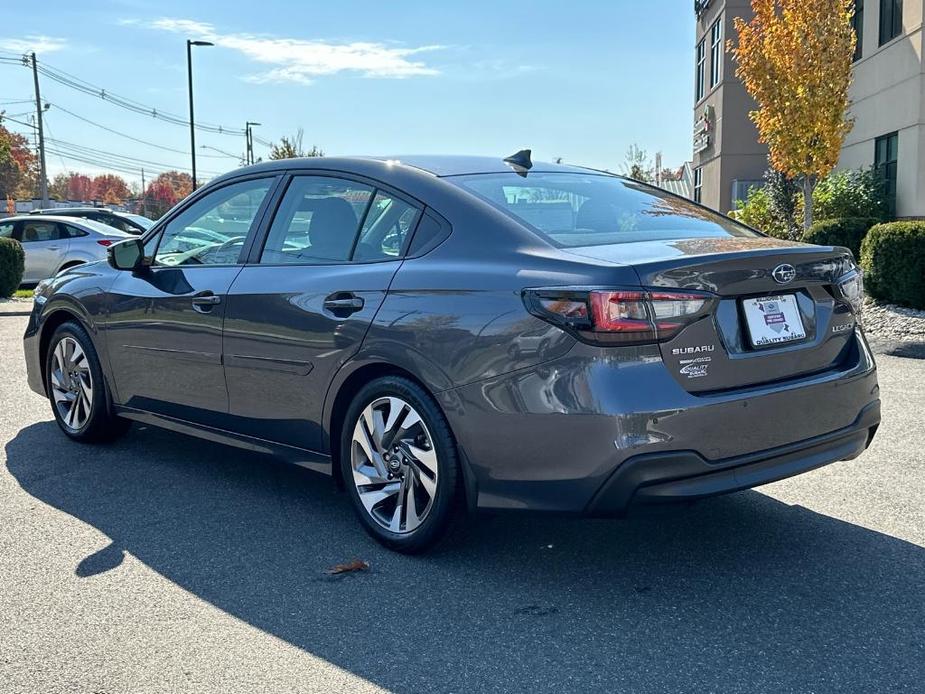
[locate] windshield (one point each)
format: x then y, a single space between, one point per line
576 209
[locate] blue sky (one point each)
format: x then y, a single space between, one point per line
581 80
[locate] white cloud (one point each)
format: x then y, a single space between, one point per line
304 60
38 43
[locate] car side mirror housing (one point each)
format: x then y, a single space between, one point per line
126 255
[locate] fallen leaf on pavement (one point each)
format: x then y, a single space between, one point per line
355 565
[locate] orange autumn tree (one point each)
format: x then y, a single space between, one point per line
794 58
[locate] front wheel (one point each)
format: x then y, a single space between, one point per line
399 464
77 389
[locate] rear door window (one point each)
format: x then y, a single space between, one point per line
36 232
317 221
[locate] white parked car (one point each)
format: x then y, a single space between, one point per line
53 243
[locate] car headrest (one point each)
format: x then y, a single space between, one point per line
597 214
332 228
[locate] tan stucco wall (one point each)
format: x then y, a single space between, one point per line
888 95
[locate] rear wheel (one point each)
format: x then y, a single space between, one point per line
399 462
77 389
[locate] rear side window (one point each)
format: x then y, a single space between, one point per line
73 232
317 222
574 209
117 223
387 225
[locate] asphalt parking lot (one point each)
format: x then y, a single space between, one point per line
163 563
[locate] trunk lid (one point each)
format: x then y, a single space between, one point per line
748 339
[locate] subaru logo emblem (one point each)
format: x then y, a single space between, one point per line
783 274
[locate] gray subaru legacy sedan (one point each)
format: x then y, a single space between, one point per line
451 334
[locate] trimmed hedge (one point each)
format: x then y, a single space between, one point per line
893 258
12 265
844 231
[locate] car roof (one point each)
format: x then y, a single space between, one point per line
459 165
439 165
88 208
86 224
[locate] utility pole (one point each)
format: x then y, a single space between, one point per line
144 198
249 134
43 183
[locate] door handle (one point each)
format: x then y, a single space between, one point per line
344 303
204 301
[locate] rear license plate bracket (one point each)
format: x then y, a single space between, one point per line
773 320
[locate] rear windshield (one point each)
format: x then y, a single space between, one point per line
575 209
141 221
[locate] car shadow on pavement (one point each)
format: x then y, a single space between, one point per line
739 593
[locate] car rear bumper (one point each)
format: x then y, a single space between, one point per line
684 475
598 429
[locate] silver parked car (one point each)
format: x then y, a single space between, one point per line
53 243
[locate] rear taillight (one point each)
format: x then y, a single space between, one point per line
851 289
618 316
104 242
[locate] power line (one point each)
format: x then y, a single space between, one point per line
92 162
116 157
68 80
127 136
50 135
18 122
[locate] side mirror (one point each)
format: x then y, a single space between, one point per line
126 255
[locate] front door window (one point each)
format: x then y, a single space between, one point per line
213 229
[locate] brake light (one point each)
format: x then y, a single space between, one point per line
105 242
619 316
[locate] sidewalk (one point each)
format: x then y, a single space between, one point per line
15 307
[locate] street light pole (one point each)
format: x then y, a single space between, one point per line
192 123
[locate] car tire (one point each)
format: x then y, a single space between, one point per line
77 389
406 495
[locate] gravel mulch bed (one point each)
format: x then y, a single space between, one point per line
894 330
890 322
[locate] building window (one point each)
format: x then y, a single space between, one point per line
698 184
701 66
857 22
886 155
891 20
716 52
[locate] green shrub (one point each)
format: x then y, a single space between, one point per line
893 258
12 265
755 211
847 231
854 193
858 193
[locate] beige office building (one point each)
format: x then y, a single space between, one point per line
887 104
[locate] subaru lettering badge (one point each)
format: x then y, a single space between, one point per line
783 274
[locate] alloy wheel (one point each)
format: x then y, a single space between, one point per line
71 383
394 464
